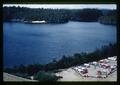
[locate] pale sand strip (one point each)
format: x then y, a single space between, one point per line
9 77
70 75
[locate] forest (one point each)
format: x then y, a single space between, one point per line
109 18
21 14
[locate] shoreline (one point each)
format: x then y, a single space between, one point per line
45 22
71 74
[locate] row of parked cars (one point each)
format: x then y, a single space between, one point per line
104 67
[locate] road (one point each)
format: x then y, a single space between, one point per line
9 77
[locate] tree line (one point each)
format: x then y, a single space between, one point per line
52 15
109 18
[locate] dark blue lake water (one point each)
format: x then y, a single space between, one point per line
41 43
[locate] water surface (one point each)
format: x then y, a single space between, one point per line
41 43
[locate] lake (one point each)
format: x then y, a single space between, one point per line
41 43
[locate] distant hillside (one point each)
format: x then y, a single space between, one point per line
50 15
109 18
21 14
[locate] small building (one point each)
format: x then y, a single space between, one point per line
43 21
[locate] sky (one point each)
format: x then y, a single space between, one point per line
66 6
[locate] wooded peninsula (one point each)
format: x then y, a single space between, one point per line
57 16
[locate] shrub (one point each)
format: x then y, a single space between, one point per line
45 76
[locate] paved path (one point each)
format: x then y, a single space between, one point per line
9 77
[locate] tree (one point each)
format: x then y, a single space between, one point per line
45 76
50 15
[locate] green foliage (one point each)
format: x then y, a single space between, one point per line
109 18
59 15
50 15
45 76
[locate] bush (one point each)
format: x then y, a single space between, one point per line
45 76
